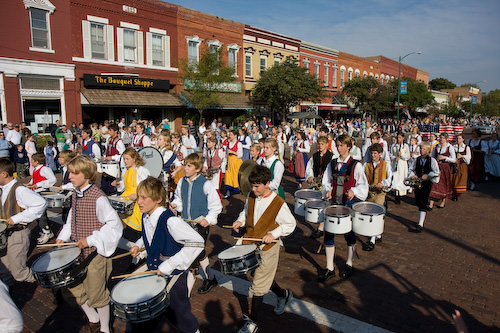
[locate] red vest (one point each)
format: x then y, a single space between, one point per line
347 173
37 177
139 143
234 148
215 161
111 148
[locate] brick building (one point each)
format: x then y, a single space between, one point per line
389 70
351 66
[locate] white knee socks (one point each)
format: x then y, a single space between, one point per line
190 282
90 312
421 218
104 316
350 254
321 226
330 253
204 264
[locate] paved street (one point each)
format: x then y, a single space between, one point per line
410 283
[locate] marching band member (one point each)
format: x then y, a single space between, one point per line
415 133
234 152
400 154
89 147
19 205
345 183
379 174
215 162
196 197
271 161
181 152
414 151
64 158
140 138
96 228
315 169
476 167
114 149
445 155
267 217
425 168
164 236
433 141
463 160
223 140
324 131
372 139
300 158
246 142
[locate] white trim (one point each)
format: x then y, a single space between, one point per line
130 25
264 41
126 64
250 38
13 67
292 48
3 104
214 42
40 4
39 49
277 44
97 19
158 31
195 39
342 68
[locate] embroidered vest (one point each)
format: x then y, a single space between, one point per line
111 148
423 169
266 223
37 177
342 180
194 200
139 142
213 162
377 174
320 163
87 147
10 207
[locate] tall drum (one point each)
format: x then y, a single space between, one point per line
338 219
368 219
314 210
301 197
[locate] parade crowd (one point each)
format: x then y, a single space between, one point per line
118 194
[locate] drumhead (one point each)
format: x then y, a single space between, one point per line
138 289
368 208
316 203
54 196
119 199
308 194
237 251
338 211
56 258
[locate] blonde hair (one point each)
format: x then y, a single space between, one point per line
67 155
83 164
168 143
195 159
272 142
135 156
153 188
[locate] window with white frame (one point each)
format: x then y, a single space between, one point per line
193 49
248 65
130 43
356 73
263 63
316 69
97 40
365 74
129 46
349 74
342 76
334 84
325 75
157 48
213 46
232 57
40 31
382 79
306 64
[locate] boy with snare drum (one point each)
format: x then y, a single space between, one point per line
168 252
96 228
267 217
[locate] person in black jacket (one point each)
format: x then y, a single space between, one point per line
21 162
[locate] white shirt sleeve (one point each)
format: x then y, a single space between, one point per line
309 168
182 233
120 146
327 178
452 158
279 169
177 197
361 189
11 319
96 151
242 217
388 170
32 203
214 204
142 173
146 141
307 147
286 222
222 156
239 153
405 153
50 178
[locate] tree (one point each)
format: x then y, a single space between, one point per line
441 83
285 84
417 94
368 94
203 80
490 104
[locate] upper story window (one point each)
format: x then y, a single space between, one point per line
39 12
98 38
325 75
193 49
263 60
130 43
349 73
248 65
342 76
306 64
334 84
316 69
356 73
232 57
157 48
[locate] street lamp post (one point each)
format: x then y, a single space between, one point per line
399 76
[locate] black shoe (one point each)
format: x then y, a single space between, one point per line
428 208
417 229
454 199
369 246
207 286
397 200
347 272
317 234
327 275
378 240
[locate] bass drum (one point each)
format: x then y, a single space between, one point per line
153 159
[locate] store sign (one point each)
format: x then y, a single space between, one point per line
124 82
232 87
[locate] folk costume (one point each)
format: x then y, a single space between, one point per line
317 165
300 158
233 166
245 142
492 158
443 189
400 167
476 167
277 169
215 162
460 176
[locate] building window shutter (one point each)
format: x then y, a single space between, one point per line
86 39
119 42
111 42
149 49
167 51
140 48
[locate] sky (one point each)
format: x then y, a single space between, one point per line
459 40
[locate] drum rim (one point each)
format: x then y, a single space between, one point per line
369 203
341 215
72 262
3 227
234 246
316 200
138 149
163 291
306 190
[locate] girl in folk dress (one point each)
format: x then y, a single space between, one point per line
181 152
445 155
223 140
300 157
463 160
234 154
246 142
30 147
400 154
188 140
478 150
492 158
215 162
414 134
281 137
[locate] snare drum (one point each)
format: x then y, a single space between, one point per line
121 205
54 200
314 210
139 299
239 259
153 159
99 166
338 219
368 219
3 236
54 269
111 168
301 197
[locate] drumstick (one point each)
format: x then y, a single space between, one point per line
126 254
57 244
254 239
21 223
319 248
227 226
135 274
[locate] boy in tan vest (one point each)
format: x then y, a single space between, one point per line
267 217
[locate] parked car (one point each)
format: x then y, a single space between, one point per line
485 129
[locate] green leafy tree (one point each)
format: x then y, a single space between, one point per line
417 94
284 85
441 83
490 104
368 95
203 80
